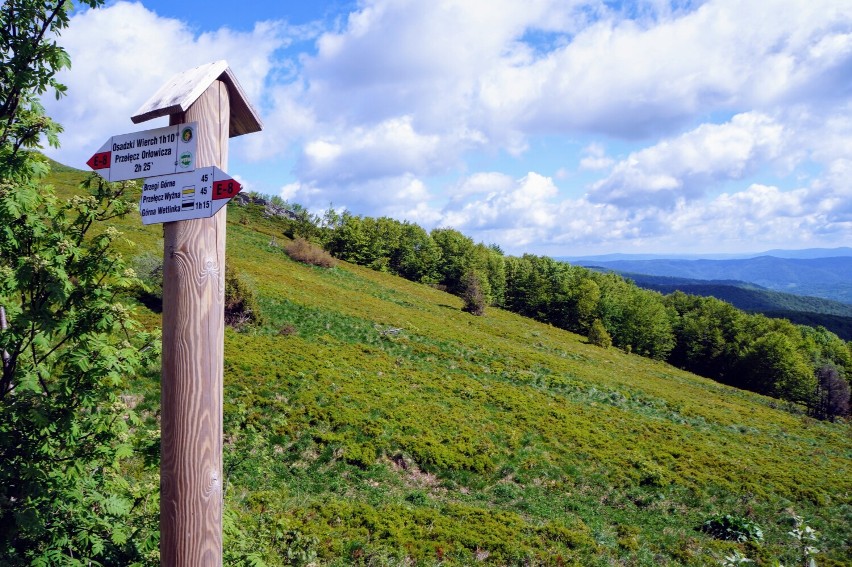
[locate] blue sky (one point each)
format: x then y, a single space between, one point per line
558 127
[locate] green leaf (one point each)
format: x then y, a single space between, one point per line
117 506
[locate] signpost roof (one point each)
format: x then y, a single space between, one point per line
183 89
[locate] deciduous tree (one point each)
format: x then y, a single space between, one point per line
832 395
457 257
69 339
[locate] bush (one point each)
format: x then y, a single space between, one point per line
472 294
598 335
732 528
287 330
303 251
241 307
149 270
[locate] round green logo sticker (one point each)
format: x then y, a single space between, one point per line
186 134
185 159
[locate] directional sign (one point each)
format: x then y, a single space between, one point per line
183 196
147 154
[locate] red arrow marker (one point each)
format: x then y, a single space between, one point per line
100 160
225 189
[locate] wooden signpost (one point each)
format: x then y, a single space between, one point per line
210 101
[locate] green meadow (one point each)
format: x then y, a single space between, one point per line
370 421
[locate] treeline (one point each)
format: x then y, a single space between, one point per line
814 311
712 338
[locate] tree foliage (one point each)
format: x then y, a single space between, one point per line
416 257
69 342
457 257
832 395
474 298
598 335
637 319
383 244
774 367
31 58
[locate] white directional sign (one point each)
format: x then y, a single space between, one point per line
183 196
147 154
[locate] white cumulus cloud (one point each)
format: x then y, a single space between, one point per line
121 55
390 148
549 125
684 167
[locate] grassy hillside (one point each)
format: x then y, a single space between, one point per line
370 421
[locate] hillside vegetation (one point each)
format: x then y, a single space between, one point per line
369 420
805 365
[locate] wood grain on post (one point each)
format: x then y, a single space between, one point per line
193 356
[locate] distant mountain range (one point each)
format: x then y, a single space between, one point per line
828 277
803 254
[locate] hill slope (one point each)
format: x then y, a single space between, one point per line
371 421
819 277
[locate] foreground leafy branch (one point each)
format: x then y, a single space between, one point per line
71 343
68 341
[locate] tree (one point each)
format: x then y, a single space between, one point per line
587 295
31 58
637 319
417 256
302 224
456 258
69 341
832 395
490 262
472 293
350 240
709 336
774 367
529 286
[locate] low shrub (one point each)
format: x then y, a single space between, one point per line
303 251
288 330
418 497
598 335
732 528
149 269
241 307
359 454
574 536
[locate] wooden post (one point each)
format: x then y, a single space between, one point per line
193 355
194 323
